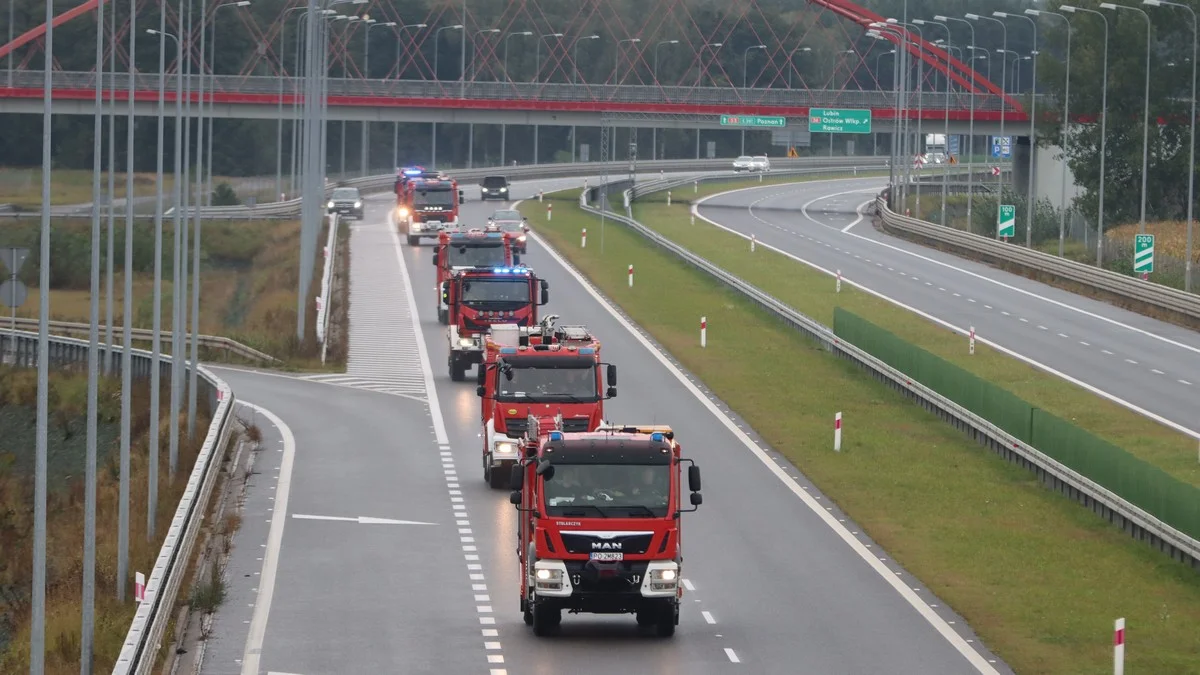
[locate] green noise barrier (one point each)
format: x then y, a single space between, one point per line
1135 480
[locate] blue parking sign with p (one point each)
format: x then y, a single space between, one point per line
1001 146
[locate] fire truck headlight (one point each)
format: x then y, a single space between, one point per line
544 575
465 342
402 211
667 575
358 204
505 449
504 189
521 238
550 578
330 204
662 577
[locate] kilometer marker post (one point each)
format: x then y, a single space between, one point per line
1119 647
631 276
703 331
753 242
668 197
583 239
837 432
839 282
550 212
971 347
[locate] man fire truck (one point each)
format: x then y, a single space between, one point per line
426 203
538 370
598 523
459 249
479 297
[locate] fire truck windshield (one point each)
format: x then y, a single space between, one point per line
531 381
482 254
496 293
611 490
434 198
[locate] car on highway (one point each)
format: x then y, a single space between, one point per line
748 163
508 220
346 201
493 187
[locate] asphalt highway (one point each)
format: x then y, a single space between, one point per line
397 557
1148 364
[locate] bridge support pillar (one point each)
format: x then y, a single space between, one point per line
503 138
1021 153
535 144
433 147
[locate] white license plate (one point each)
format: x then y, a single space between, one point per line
607 556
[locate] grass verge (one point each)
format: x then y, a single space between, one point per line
67 444
1032 572
814 293
249 274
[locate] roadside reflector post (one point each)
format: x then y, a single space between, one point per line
760 176
693 219
837 432
631 276
703 331
139 587
662 174
550 211
695 186
753 242
971 346
838 289
1119 647
539 195
668 197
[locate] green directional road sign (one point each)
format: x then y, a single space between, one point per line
1008 220
753 121
1143 253
839 121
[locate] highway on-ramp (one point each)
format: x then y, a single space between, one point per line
777 579
1148 363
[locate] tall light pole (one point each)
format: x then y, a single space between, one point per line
127 305
1066 128
1145 109
508 37
364 152
475 50
1070 9
1003 105
279 112
946 132
1187 278
208 190
791 67
617 65
745 62
654 130
900 82
920 103
1032 121
537 73
575 80
437 34
971 131
402 30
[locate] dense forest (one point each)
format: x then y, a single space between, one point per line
250 44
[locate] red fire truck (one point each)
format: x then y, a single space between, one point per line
426 203
540 370
461 249
599 525
480 297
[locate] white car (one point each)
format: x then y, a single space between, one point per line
748 163
761 163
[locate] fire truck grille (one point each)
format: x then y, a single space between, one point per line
517 426
583 543
606 578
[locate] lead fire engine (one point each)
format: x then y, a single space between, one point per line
540 370
478 298
461 249
598 523
426 203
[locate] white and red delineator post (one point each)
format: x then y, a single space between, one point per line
838 289
583 239
539 195
837 432
753 242
550 211
631 276
1119 647
703 331
695 186
972 343
139 587
668 197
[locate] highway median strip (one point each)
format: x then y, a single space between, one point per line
983 534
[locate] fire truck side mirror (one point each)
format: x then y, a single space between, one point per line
481 376
516 479
446 292
545 292
461 197
514 498
545 469
611 393
694 478
612 375
697 499
480 391
435 257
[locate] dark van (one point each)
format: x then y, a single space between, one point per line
494 187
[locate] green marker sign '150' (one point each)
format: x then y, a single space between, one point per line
839 121
753 121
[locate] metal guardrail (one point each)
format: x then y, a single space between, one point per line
933 103
326 283
1132 519
141 334
145 634
1120 285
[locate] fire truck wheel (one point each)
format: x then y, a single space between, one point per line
545 620
443 316
457 371
526 613
668 617
414 241
496 478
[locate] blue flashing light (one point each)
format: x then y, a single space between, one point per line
586 351
413 172
656 437
556 436
494 235
508 350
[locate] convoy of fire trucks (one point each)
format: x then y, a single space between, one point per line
598 504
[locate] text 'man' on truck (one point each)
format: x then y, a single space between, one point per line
480 297
542 370
462 249
599 523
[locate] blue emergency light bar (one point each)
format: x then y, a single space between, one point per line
511 270
586 351
656 437
556 436
413 172
508 350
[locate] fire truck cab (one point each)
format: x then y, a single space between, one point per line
599 523
540 370
426 203
462 249
480 297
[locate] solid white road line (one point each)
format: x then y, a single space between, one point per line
938 623
961 331
266 585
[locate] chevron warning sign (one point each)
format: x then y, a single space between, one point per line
1143 254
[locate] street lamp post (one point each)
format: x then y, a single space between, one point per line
1103 123
1066 128
575 80
946 132
474 65
791 66
1145 109
475 51
654 130
508 37
208 183
900 78
1032 121
399 75
537 72
971 131
617 65
365 152
1187 279
745 63
279 112
437 34
920 107
1003 72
